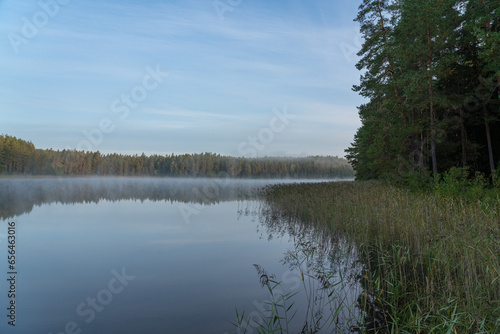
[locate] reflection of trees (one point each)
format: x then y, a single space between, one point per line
328 268
331 271
19 195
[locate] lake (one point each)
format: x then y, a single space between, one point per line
150 255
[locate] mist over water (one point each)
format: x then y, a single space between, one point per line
19 195
152 255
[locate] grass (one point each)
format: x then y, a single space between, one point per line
329 296
431 260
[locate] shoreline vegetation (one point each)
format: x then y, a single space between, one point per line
430 259
21 158
424 211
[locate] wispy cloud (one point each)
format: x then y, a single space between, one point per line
225 75
184 113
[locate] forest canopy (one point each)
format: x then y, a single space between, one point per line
431 77
18 156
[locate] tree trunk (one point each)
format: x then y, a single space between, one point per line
490 148
433 141
498 87
486 123
464 138
431 106
421 162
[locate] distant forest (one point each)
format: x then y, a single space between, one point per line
431 75
19 157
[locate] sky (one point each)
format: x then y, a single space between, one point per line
233 77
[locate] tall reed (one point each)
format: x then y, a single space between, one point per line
431 261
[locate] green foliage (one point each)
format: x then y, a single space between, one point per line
431 75
459 183
455 182
418 182
497 178
20 157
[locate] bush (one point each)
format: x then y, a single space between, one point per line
454 182
458 182
418 182
496 181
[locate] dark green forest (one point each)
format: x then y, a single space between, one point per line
19 157
431 76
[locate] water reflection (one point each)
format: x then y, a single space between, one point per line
184 271
320 292
20 195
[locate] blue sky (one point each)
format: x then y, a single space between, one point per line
180 76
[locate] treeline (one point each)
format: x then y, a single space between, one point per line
21 157
431 73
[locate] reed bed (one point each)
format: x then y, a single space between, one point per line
431 260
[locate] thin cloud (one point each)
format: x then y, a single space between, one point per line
184 113
226 76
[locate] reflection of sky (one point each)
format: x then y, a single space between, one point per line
189 277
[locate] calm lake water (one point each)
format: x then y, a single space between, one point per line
133 255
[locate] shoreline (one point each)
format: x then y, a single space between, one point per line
424 254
